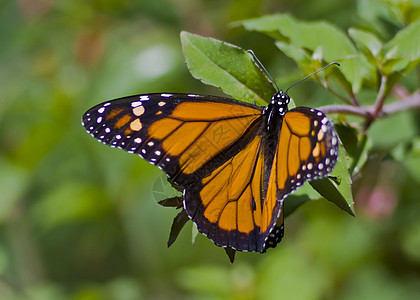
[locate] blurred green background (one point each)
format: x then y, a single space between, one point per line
80 221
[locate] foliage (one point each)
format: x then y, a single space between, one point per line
80 221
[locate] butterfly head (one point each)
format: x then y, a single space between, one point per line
280 101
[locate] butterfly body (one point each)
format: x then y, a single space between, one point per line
236 161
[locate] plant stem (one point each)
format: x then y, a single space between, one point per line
379 103
362 111
412 101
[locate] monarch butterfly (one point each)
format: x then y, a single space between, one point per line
235 161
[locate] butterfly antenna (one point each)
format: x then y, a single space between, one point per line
264 69
306 77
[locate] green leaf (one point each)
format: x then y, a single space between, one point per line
293 202
166 193
299 55
226 67
357 146
179 221
409 158
301 34
338 192
392 130
308 65
230 252
367 42
319 40
402 53
171 202
194 233
299 197
380 15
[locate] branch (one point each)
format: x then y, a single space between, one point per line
379 103
412 101
362 111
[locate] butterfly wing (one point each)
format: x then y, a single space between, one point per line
226 204
214 147
307 149
233 205
177 132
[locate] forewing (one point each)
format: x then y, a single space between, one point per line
177 132
307 149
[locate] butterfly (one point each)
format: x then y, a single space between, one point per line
235 161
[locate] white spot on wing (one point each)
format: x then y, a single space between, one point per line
136 103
